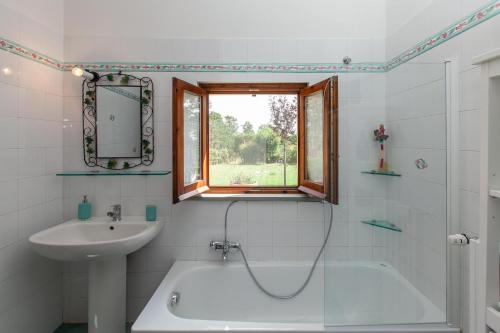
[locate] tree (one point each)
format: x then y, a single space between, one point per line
267 138
231 124
248 129
283 121
223 132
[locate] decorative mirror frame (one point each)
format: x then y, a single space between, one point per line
89 115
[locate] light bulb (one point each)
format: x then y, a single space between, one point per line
77 71
7 71
92 76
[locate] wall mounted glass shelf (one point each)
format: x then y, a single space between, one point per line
383 224
382 173
495 193
113 173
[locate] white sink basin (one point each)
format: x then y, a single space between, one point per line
104 245
94 239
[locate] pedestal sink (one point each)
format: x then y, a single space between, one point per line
105 245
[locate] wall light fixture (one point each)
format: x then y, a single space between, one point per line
92 76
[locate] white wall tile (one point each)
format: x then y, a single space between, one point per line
9 64
285 234
469 92
234 51
31 162
469 170
9 98
31 103
31 108
260 50
311 234
9 132
9 164
31 192
469 129
8 197
260 233
285 253
284 211
133 186
9 263
8 229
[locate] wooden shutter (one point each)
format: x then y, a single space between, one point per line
318 140
190 140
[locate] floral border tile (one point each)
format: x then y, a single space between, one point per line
31 54
248 68
481 15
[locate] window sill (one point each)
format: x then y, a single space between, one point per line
254 197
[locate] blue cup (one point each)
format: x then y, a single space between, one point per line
151 213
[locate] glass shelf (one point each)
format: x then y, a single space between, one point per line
383 224
382 173
113 173
495 193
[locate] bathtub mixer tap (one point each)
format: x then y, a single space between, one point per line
225 246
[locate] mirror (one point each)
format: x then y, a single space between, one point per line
118 121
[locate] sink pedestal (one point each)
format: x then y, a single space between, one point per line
104 245
107 295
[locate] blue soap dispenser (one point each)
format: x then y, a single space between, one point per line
84 209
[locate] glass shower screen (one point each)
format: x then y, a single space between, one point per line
386 261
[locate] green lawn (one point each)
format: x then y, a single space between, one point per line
255 174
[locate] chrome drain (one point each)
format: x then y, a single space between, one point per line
175 298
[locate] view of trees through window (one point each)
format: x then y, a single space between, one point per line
253 140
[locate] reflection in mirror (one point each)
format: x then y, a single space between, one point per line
118 122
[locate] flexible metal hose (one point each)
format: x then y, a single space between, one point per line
313 267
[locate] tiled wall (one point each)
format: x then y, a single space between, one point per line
416 202
461 49
267 230
280 19
31 153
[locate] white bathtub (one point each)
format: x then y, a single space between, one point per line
222 297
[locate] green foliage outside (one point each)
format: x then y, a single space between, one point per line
252 174
244 155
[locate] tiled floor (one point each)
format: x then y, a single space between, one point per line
79 328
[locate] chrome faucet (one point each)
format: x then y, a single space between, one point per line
116 214
226 245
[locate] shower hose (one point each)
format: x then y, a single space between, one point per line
309 275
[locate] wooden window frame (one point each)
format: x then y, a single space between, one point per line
329 191
181 190
248 89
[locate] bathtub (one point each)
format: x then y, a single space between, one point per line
215 296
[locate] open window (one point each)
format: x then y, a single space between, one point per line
318 140
269 138
190 140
